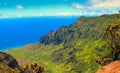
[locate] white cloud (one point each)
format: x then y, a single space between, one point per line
92 4
97 7
77 5
94 1
106 4
64 14
19 7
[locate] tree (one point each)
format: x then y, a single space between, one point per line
33 68
112 36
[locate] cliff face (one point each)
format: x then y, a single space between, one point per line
113 67
84 27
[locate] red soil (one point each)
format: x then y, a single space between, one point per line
113 67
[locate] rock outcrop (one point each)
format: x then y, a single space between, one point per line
8 64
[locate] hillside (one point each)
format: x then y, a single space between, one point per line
70 49
8 64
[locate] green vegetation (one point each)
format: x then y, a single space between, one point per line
56 60
71 49
39 54
113 39
33 68
84 27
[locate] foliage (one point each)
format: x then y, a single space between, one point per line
33 68
104 62
113 39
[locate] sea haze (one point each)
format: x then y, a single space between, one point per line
17 32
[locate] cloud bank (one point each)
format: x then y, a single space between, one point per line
95 4
98 7
19 7
68 8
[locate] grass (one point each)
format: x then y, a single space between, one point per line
86 52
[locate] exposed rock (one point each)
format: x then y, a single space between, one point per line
113 67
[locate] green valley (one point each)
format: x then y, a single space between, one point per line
70 49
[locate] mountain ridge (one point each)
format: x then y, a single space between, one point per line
83 27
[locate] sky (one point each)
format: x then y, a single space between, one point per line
27 8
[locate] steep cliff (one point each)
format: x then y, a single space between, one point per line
84 27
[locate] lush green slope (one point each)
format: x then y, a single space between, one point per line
70 49
84 27
56 59
38 53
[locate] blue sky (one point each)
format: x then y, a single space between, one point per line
26 8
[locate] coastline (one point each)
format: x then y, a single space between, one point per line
19 32
12 47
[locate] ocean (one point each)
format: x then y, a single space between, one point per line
18 32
